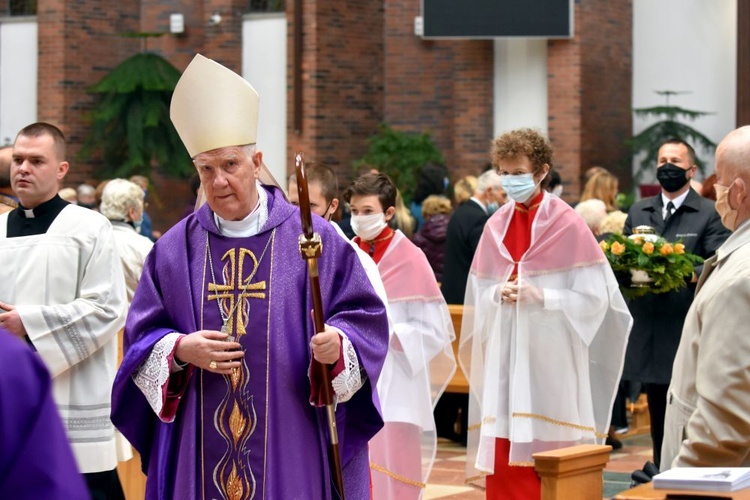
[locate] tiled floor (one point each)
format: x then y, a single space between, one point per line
447 479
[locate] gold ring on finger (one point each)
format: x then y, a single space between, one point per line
212 365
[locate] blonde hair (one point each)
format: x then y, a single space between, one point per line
464 189
118 197
614 222
434 205
602 186
592 211
68 194
402 217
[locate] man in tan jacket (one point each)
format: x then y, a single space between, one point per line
708 402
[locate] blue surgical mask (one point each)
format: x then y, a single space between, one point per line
492 207
520 187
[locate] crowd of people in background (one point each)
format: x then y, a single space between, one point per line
546 340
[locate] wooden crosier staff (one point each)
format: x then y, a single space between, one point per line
311 248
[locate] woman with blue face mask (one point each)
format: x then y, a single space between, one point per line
545 329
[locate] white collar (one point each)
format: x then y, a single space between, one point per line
677 202
250 225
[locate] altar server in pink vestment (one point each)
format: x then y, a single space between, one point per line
544 330
420 360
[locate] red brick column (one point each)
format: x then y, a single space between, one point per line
590 93
342 76
78 46
443 87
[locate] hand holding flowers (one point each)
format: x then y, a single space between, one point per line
667 264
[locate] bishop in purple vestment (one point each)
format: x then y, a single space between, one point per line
214 389
36 461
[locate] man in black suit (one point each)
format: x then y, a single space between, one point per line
464 230
462 237
678 213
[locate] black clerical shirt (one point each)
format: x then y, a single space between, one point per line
29 222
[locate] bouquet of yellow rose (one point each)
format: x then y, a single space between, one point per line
646 263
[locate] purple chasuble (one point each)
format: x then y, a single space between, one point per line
36 461
254 434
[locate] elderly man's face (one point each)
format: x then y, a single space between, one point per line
228 177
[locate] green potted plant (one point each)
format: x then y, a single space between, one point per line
130 126
401 155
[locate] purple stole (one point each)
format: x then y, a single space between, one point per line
232 406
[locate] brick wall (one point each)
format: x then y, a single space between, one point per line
590 82
362 65
342 64
79 44
442 87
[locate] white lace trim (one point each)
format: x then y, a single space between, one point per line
154 372
349 381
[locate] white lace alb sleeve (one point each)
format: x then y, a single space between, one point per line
350 380
154 372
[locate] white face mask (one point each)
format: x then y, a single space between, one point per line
367 227
520 187
727 213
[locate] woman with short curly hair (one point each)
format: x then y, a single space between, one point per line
544 329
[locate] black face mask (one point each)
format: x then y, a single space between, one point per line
671 177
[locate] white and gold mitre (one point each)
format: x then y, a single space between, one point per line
213 107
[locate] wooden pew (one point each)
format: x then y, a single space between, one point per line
132 479
458 383
576 472
640 422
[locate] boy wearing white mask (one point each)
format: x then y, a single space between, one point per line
420 361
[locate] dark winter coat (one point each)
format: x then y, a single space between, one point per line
431 239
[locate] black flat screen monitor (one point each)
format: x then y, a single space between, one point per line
497 18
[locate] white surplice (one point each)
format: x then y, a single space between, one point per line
419 365
69 290
541 374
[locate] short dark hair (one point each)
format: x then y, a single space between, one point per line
325 177
41 128
678 141
373 184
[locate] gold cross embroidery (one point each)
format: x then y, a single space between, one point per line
247 289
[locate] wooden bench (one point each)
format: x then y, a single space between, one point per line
458 383
132 479
640 420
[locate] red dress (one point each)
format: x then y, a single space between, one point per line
509 481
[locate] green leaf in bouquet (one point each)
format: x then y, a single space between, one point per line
642 260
